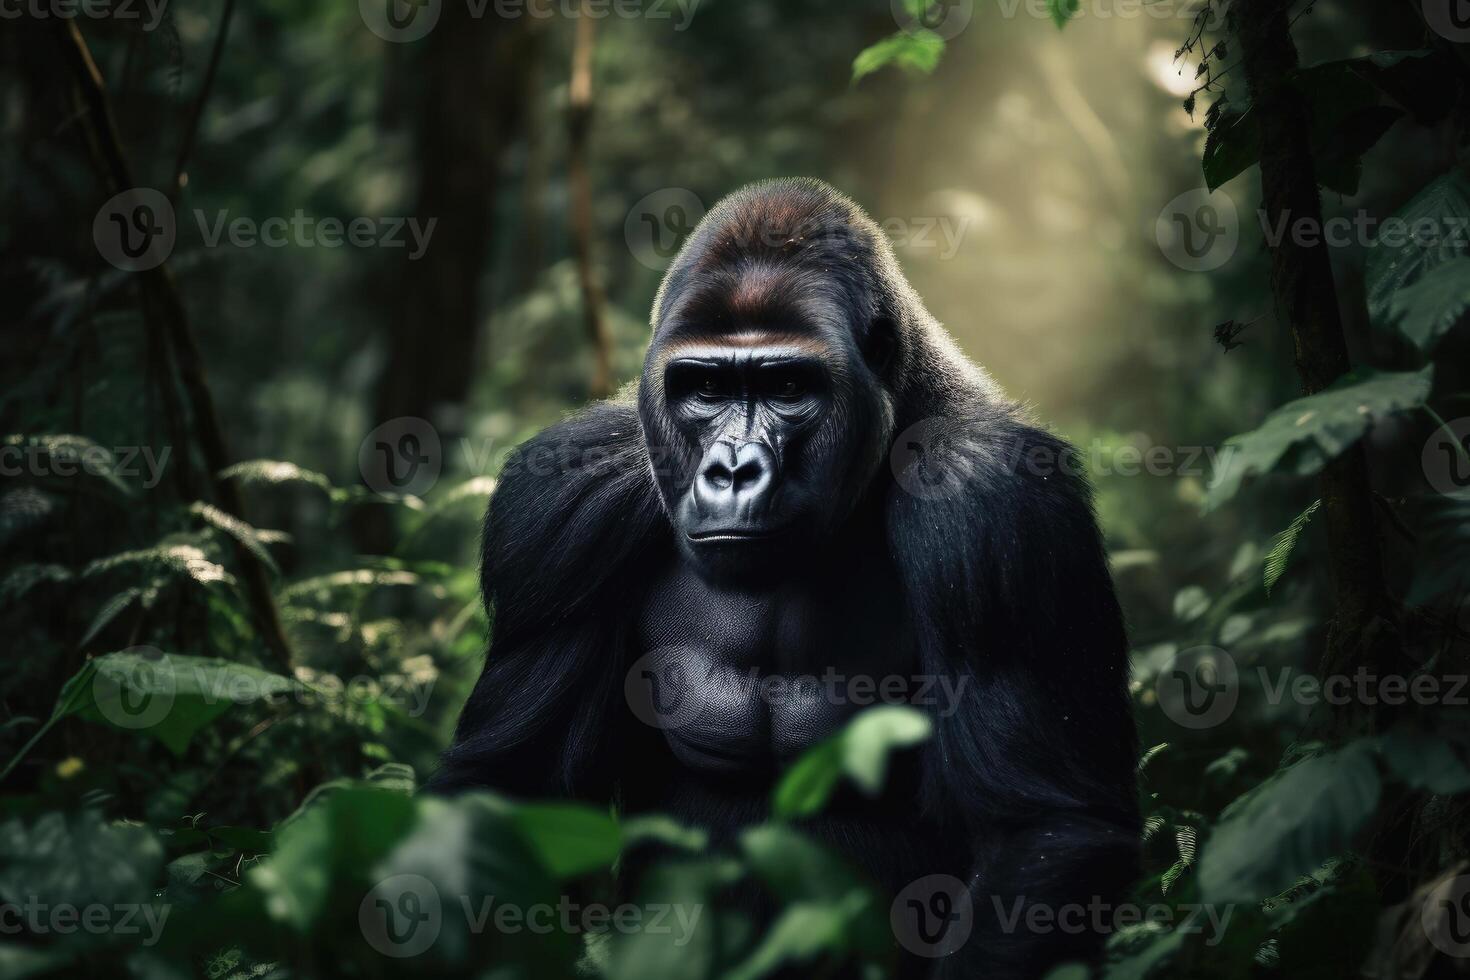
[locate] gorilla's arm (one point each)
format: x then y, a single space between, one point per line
1010 590
573 515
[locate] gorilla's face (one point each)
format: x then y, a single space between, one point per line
762 440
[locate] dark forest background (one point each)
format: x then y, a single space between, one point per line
196 518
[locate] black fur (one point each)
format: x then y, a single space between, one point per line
1027 791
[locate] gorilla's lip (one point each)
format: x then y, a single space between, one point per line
731 535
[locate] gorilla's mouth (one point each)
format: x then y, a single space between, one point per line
732 535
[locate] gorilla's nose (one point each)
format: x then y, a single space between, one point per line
734 483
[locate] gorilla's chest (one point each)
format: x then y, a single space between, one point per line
742 680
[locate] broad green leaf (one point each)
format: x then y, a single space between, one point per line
468 857
1282 547
860 751
78 859
873 735
1346 122
794 867
700 940
337 838
1421 81
570 839
1190 603
916 52
1442 568
1429 231
1426 310
1304 435
805 788
802 933
167 696
1290 824
663 830
1424 761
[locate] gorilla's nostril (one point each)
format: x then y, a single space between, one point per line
719 476
747 473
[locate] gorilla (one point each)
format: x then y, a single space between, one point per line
809 480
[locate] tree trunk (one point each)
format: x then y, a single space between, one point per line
1362 632
579 176
469 109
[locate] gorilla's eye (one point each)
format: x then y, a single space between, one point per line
708 389
789 390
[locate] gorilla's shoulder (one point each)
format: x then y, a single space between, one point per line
572 506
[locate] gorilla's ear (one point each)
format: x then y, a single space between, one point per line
879 344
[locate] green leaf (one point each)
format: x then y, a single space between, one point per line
110 610
275 471
320 587
1424 234
860 751
1304 435
802 933
916 52
653 827
179 559
24 578
873 735
1190 603
794 867
1442 566
1061 11
1425 310
250 538
1281 548
79 859
1424 761
340 836
1421 81
570 839
77 455
805 788
1346 122
167 696
1287 826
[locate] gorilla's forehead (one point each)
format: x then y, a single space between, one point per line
745 345
761 297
